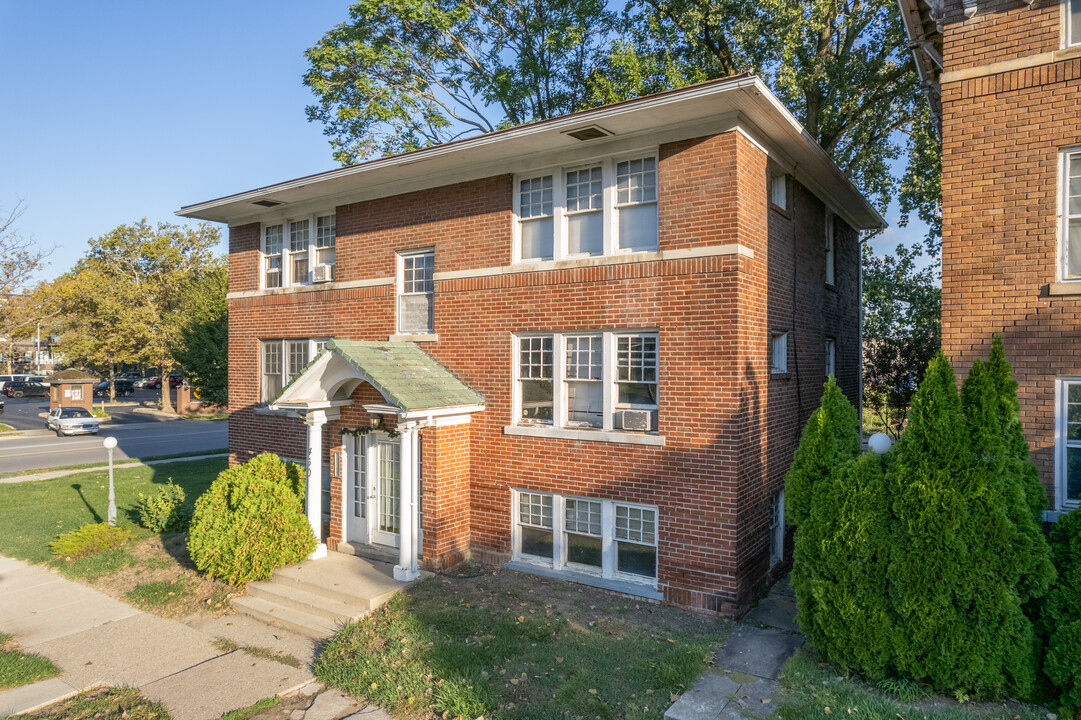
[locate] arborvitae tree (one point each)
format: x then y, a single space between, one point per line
953 578
830 437
1060 619
1013 434
841 556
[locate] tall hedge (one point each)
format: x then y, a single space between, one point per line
1061 616
830 437
957 557
251 521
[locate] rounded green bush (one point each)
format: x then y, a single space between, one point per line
165 511
251 521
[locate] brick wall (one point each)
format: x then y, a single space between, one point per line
1002 134
730 429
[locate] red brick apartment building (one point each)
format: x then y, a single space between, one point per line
1005 80
583 347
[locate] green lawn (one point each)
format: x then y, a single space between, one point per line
18 668
819 690
33 514
506 645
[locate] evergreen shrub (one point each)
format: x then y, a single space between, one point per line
89 540
1061 616
250 521
165 511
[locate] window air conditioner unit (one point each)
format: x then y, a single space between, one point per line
322 273
635 420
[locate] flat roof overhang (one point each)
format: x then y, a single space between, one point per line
742 101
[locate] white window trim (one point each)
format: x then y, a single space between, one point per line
313 348
559 561
610 215
287 279
774 368
831 250
1061 389
1068 40
1064 214
609 389
399 291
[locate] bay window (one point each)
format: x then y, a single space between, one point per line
604 208
290 246
595 380
590 536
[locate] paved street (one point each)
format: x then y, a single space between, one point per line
133 440
24 414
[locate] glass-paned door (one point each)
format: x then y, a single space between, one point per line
356 495
388 492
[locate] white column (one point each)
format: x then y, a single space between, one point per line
313 495
407 568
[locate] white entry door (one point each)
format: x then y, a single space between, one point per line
388 491
356 493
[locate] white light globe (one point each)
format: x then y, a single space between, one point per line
880 443
109 442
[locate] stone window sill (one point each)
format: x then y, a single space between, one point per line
1064 288
275 412
414 337
613 436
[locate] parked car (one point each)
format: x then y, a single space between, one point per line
26 388
5 379
1 407
132 376
71 421
140 383
153 383
123 387
175 380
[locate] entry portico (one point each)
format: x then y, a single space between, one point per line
417 392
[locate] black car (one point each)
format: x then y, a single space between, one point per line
26 388
123 387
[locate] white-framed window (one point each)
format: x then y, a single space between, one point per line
289 246
831 258
605 538
1073 22
831 356
1068 444
416 292
1070 268
778 190
776 528
606 380
604 208
778 352
281 360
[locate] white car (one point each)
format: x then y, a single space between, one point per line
72 421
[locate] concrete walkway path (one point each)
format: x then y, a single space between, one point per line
743 683
50 474
96 639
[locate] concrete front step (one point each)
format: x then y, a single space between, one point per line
298 598
291 619
316 597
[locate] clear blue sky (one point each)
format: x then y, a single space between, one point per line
115 110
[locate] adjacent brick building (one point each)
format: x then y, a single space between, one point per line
584 347
1005 79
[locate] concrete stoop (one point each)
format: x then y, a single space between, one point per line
317 597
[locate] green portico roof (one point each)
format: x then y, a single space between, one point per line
405 375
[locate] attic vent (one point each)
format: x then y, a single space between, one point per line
267 203
590 132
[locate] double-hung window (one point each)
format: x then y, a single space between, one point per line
831 258
583 380
1068 436
289 247
604 208
591 536
778 352
416 292
283 360
1073 22
1071 215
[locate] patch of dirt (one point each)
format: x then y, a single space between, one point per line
581 605
164 558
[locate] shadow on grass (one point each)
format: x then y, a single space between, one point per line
78 488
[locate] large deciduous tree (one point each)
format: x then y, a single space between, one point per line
20 259
128 299
202 345
405 74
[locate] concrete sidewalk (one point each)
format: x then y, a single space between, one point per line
96 639
50 474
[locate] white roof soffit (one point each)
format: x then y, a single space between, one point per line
742 101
